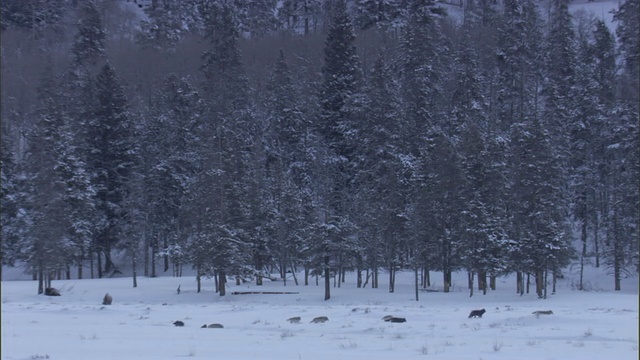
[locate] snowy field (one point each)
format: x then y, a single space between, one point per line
598 324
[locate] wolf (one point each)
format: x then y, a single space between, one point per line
212 326
394 319
107 300
294 320
178 323
542 312
51 291
320 319
477 313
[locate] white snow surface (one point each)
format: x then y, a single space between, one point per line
595 324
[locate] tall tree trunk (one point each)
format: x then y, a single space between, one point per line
222 283
147 245
596 228
154 253
80 263
293 273
327 280
99 255
392 278
91 265
165 256
40 279
374 280
306 275
417 282
539 283
520 283
583 254
134 264
470 283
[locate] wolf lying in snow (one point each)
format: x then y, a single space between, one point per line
394 319
212 326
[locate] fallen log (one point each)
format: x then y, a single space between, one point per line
263 292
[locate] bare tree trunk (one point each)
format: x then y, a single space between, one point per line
417 282
99 255
80 263
583 255
146 245
470 279
154 253
447 280
539 283
293 273
306 275
374 280
91 263
134 265
392 278
596 228
222 283
327 280
519 283
165 256
40 279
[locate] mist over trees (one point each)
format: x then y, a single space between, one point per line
245 138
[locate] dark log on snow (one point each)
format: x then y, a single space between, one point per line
263 292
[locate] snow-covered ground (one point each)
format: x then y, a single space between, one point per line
598 324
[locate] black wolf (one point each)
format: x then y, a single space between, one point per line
178 323
107 300
477 313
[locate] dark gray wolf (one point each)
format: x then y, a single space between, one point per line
178 323
107 300
51 291
477 313
320 319
394 319
294 320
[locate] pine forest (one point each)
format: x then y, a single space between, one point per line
245 138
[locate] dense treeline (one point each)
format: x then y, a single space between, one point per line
238 137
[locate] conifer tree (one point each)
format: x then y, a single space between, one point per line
111 160
336 125
229 163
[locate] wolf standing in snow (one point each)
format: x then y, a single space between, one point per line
477 313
